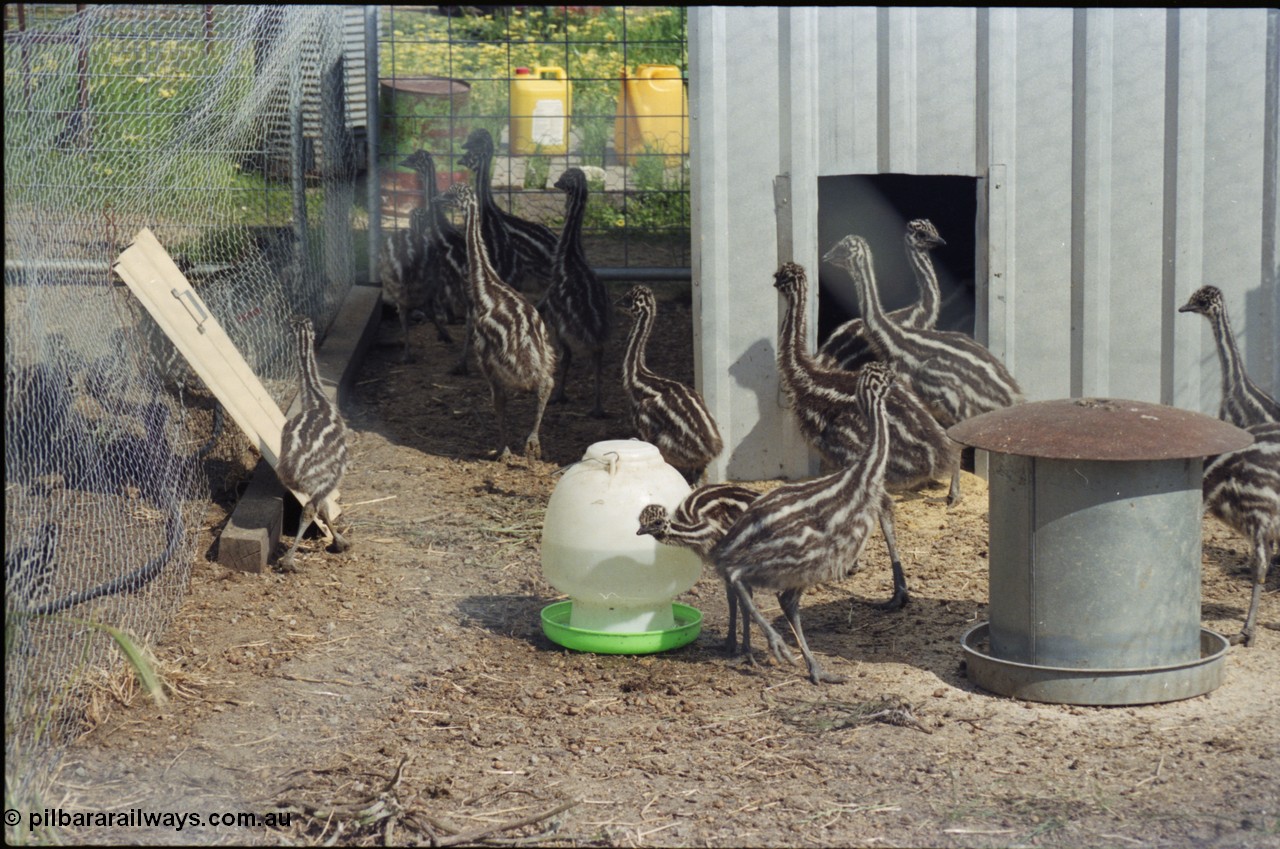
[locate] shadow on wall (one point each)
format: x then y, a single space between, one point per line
878 207
1262 318
756 372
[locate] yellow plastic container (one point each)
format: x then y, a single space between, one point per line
653 113
541 103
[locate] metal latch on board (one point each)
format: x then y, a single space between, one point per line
194 307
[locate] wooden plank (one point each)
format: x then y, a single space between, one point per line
179 311
164 291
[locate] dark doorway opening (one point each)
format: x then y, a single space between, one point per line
878 207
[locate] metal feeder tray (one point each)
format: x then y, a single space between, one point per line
1095 535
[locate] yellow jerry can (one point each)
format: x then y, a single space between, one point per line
653 113
541 103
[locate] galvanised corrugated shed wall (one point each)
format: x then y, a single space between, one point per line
1123 158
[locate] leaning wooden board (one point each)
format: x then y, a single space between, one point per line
163 289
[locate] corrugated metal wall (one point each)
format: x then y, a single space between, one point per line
1123 158
353 39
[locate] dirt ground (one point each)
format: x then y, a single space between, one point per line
404 693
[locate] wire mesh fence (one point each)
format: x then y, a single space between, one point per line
233 133
223 129
599 87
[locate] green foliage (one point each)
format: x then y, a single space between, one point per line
16 620
658 210
649 172
535 172
148 115
15 624
148 98
604 211
661 198
594 45
596 133
147 676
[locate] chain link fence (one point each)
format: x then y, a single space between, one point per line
224 129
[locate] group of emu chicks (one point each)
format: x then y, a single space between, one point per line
875 400
478 272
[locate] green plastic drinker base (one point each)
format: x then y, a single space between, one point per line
555 624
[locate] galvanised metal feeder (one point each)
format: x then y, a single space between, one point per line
1095 531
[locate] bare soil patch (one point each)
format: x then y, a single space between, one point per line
404 692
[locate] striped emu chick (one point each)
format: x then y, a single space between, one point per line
511 342
444 268
826 405
29 567
953 374
699 522
1242 488
848 346
812 532
577 304
665 412
462 303
825 402
1243 403
517 248
313 444
400 267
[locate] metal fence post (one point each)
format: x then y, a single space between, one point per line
372 132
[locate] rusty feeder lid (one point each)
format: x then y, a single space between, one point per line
1099 429
1094 570
436 87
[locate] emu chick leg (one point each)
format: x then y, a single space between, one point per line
899 597
790 601
776 645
